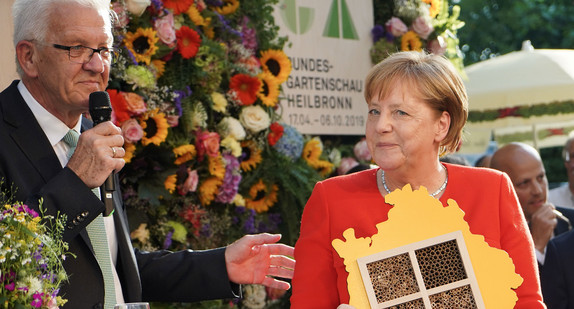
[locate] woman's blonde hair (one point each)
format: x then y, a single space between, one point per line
433 79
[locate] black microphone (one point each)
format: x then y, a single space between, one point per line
101 111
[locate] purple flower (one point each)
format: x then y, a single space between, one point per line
231 180
37 302
167 241
206 230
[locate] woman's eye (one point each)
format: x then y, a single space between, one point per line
401 113
374 112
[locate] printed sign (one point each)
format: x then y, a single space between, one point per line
329 44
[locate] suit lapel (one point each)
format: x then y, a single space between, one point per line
28 135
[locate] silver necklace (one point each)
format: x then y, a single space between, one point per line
432 194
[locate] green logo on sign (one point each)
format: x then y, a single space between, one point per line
340 22
290 13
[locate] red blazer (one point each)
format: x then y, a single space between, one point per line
486 196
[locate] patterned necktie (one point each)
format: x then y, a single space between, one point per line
97 232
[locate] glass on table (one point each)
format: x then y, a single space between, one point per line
132 306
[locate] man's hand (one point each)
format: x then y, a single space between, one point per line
256 259
542 224
98 154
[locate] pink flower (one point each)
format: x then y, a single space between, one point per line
172 120
123 18
208 142
423 27
396 27
37 302
361 151
132 131
437 46
347 163
190 183
165 29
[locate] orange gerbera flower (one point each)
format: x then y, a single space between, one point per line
188 42
246 87
177 6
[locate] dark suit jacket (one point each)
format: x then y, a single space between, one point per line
562 226
557 276
29 163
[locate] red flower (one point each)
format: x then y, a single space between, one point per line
275 134
188 42
178 6
120 112
246 88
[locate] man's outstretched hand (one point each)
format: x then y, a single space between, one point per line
259 259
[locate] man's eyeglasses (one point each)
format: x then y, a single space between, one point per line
83 54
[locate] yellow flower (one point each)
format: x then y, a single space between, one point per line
232 145
434 7
142 44
238 200
130 149
312 155
229 7
410 41
253 156
277 63
170 183
141 233
196 17
261 196
158 68
208 190
184 153
155 127
219 102
269 94
217 166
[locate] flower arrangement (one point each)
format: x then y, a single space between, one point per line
31 256
196 90
402 25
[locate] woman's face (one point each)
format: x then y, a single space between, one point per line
404 131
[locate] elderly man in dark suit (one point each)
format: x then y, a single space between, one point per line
524 166
63 51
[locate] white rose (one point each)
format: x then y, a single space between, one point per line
137 7
254 118
231 127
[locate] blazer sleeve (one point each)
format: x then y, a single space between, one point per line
315 278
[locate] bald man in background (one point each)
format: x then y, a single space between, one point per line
524 166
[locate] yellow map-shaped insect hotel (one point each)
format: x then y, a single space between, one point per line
416 217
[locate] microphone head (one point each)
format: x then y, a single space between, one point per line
100 107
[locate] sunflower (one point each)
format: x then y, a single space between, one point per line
261 196
217 166
246 87
130 149
229 7
142 44
434 7
170 183
196 17
188 42
252 156
178 6
277 63
208 190
410 41
312 155
269 93
158 67
155 127
184 153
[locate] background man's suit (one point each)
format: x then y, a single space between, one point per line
29 163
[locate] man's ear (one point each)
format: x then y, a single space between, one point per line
25 54
443 125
